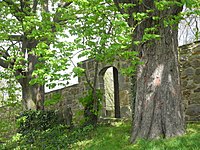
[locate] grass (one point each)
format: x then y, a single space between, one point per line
117 137
105 137
112 137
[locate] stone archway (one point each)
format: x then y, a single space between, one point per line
109 84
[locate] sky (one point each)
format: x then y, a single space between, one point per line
187 30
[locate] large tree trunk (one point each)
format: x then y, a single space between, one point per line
158 104
158 109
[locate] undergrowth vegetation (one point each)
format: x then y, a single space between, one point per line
30 121
7 121
113 136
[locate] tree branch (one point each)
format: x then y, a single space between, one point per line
4 53
129 11
16 9
57 15
3 63
46 5
116 2
35 3
17 38
64 5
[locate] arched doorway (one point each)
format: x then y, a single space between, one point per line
110 85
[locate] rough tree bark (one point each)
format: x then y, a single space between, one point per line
33 97
158 106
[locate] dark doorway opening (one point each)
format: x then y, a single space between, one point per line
116 93
110 85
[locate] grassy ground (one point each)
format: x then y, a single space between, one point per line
117 137
105 137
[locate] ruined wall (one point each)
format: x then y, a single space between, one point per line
70 95
123 81
65 98
189 56
190 79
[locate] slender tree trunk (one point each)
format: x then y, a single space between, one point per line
92 108
32 96
158 104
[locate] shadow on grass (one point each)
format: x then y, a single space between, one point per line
117 138
59 137
105 137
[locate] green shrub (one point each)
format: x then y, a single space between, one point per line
30 120
8 121
58 137
90 110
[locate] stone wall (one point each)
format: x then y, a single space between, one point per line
190 79
70 95
66 98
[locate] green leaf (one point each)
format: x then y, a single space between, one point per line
78 71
